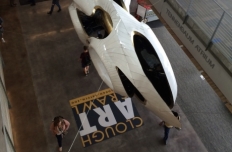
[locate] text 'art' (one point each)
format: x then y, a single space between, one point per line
103 115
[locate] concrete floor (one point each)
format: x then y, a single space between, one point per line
42 74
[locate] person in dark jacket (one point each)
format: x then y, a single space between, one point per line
167 127
55 2
85 60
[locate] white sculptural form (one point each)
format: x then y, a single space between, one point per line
128 56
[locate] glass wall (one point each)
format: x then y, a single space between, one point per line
210 23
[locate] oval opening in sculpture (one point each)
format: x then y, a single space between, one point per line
129 87
152 67
120 3
98 25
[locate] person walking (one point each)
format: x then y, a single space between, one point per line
1 30
85 60
167 127
54 2
59 128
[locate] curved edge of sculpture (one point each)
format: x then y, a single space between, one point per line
77 24
117 63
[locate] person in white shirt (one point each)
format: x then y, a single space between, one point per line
59 127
